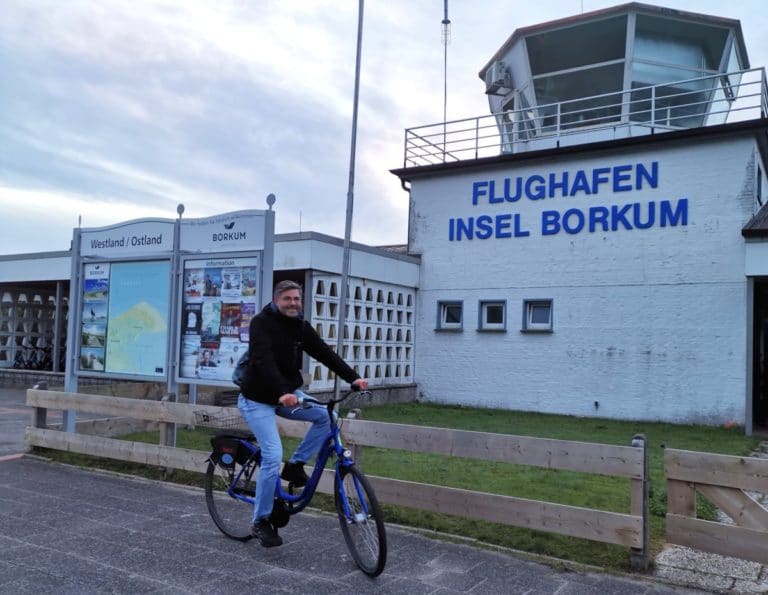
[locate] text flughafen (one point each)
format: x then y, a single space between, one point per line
616 179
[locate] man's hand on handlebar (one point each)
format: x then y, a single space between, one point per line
291 400
360 384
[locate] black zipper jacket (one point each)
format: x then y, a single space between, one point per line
275 347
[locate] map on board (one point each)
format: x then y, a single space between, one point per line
137 336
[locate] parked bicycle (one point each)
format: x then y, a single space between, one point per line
33 358
230 486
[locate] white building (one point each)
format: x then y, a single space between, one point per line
378 336
598 245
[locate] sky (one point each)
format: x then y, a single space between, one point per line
113 110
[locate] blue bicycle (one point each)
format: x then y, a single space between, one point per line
230 486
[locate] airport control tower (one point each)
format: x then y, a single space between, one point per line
625 71
628 70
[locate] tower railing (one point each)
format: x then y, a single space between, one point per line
691 103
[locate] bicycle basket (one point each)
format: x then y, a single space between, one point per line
224 419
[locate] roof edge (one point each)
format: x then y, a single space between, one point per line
321 237
758 125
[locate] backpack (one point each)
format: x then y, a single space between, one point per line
241 369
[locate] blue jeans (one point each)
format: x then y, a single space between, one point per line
260 417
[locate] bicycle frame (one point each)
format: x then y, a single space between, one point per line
332 445
229 490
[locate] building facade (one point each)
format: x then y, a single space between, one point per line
601 255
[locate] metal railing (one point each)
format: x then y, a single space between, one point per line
690 103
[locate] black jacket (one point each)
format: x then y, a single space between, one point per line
275 349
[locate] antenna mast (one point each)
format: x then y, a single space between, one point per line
446 38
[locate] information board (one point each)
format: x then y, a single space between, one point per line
219 297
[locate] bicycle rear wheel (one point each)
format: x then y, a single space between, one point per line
233 517
361 520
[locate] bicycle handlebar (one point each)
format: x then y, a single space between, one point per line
311 400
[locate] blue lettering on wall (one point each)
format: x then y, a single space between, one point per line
671 218
535 188
573 221
651 177
492 198
598 216
582 183
512 196
485 227
622 174
619 178
556 184
502 226
617 217
478 190
599 176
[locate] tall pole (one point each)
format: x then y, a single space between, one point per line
350 198
168 430
446 35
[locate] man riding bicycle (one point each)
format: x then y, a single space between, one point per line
279 336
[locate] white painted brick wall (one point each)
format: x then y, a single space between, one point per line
650 324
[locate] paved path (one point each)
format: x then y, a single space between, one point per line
69 530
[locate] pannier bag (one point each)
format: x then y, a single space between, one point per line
227 450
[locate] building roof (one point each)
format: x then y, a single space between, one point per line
396 248
621 9
396 252
294 248
757 227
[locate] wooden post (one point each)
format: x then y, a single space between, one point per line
639 558
357 450
40 417
168 434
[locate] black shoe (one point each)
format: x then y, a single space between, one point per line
294 473
266 534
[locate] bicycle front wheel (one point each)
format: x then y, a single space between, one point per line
361 520
233 517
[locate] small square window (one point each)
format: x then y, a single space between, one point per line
449 315
493 315
537 316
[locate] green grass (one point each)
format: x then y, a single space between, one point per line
577 489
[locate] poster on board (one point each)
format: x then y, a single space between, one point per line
219 298
93 331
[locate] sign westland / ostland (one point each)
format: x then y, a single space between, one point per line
140 237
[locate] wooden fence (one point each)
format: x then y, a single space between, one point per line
631 462
721 479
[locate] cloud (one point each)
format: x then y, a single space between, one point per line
122 108
49 217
